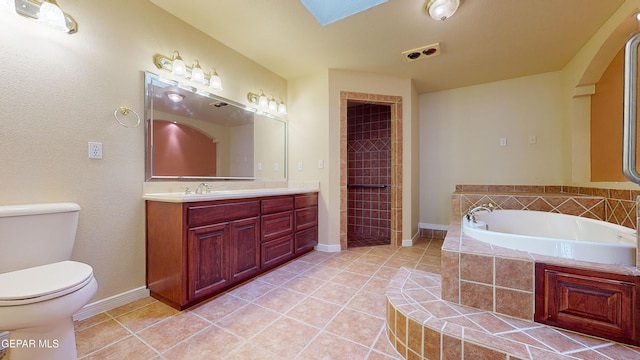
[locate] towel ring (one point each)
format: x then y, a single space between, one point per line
124 111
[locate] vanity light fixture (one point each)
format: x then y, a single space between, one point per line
263 103
46 12
442 9
176 65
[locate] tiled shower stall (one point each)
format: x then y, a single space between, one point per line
369 173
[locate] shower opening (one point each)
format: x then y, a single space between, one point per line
368 174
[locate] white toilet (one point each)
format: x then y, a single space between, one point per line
40 288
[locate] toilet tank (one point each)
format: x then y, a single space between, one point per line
36 234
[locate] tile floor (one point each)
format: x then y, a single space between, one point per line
320 306
358 240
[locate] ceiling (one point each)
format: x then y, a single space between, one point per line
485 41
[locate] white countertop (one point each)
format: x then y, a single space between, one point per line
180 197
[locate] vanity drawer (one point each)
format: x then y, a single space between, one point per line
306 218
277 204
217 213
306 200
276 252
277 225
306 239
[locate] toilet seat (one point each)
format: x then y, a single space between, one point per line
44 282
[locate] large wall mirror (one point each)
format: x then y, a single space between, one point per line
191 134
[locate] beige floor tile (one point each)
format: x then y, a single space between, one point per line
167 333
285 337
330 346
376 285
215 309
335 293
211 343
248 320
363 268
278 277
134 305
350 279
145 316
87 323
280 300
252 290
372 259
128 348
250 351
356 326
99 336
371 303
305 285
314 312
383 345
322 272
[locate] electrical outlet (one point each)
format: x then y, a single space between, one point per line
95 150
503 142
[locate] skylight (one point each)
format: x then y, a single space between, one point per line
329 11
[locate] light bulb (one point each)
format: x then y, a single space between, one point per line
282 108
262 100
51 15
177 65
442 9
273 106
197 75
214 81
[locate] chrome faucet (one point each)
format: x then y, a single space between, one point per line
204 186
471 213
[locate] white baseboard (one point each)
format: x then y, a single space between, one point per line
433 226
328 248
110 303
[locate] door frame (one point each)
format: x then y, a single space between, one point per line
395 102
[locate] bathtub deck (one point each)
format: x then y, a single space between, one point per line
420 324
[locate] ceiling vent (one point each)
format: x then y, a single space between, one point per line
421 52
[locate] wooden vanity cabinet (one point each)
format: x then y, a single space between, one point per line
196 250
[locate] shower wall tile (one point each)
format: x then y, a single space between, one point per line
369 163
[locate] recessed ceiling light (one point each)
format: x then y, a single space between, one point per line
175 97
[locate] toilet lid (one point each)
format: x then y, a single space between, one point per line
44 282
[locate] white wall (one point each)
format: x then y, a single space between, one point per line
460 130
59 91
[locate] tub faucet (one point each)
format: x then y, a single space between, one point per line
471 213
204 186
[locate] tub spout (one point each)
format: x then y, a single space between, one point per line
471 213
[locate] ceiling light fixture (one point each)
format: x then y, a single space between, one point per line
46 12
270 105
176 66
442 9
175 97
